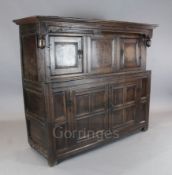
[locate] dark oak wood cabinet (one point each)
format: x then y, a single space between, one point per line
84 82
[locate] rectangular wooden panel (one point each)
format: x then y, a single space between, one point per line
130 114
120 117
117 118
101 53
98 123
123 98
123 93
143 112
131 91
90 112
89 100
132 53
144 87
89 126
117 96
83 104
60 104
34 104
143 115
29 57
98 101
37 133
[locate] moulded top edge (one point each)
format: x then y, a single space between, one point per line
36 19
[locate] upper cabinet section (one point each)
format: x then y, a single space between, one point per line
65 47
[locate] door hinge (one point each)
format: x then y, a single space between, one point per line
41 41
80 54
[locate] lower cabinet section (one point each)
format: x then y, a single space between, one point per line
87 115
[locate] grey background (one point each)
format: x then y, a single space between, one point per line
14 147
148 11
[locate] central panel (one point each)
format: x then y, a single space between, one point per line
101 53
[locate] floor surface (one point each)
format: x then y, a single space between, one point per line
143 153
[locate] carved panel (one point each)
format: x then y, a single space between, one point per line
89 110
101 58
89 100
123 93
123 116
130 55
122 99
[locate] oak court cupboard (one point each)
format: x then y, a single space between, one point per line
81 74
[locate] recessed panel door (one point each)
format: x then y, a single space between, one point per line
123 104
89 111
66 55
